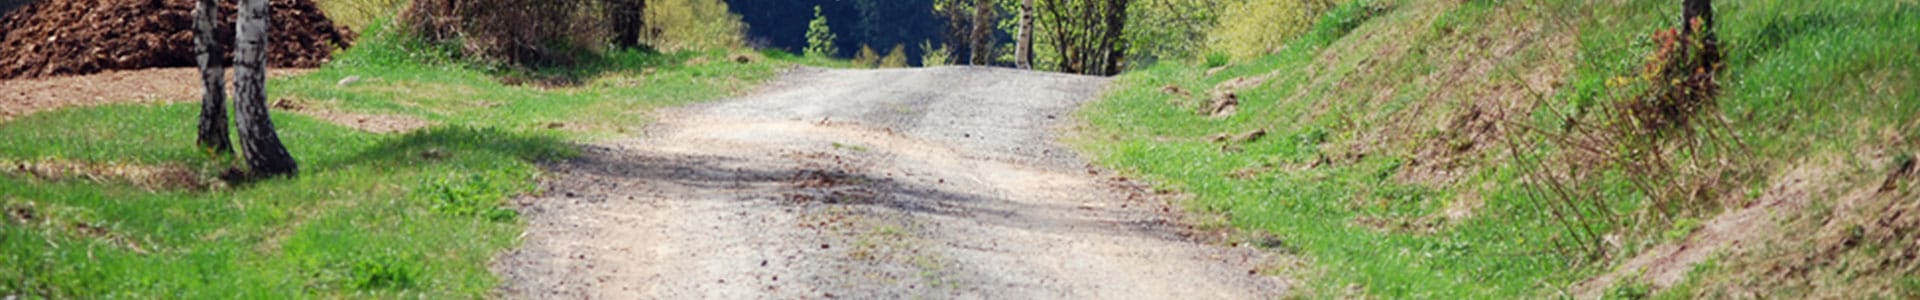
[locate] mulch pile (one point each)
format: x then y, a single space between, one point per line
71 37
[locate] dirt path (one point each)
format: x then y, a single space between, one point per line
921 183
26 96
21 97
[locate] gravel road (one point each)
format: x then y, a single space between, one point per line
889 184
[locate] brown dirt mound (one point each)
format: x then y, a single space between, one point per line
70 37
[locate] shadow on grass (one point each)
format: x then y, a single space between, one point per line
444 143
594 66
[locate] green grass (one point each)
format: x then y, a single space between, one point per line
1803 80
411 215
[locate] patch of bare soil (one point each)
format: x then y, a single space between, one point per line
1863 242
375 123
1826 230
889 184
74 37
1735 231
25 96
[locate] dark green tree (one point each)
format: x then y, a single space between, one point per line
820 37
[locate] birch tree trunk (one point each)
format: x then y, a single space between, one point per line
1023 50
213 100
259 143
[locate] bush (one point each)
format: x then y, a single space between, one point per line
1258 27
1340 20
896 58
680 25
1169 29
358 14
517 32
540 33
935 56
867 58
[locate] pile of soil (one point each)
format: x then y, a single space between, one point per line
70 37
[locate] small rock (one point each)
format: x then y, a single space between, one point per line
350 80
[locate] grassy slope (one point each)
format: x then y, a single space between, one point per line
415 214
1354 118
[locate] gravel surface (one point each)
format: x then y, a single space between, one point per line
889 184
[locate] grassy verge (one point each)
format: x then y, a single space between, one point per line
1375 167
416 214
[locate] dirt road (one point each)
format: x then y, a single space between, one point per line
890 184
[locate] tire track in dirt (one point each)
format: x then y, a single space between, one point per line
921 183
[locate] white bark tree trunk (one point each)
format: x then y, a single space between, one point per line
213 100
1023 51
259 143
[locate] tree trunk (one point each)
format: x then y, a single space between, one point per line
1697 9
981 40
1023 49
1701 10
259 143
629 20
1113 43
213 100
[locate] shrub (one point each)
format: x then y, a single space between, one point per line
1169 29
678 25
896 58
1258 27
358 14
935 56
518 32
867 58
1342 19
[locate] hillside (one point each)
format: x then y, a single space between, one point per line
1484 148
